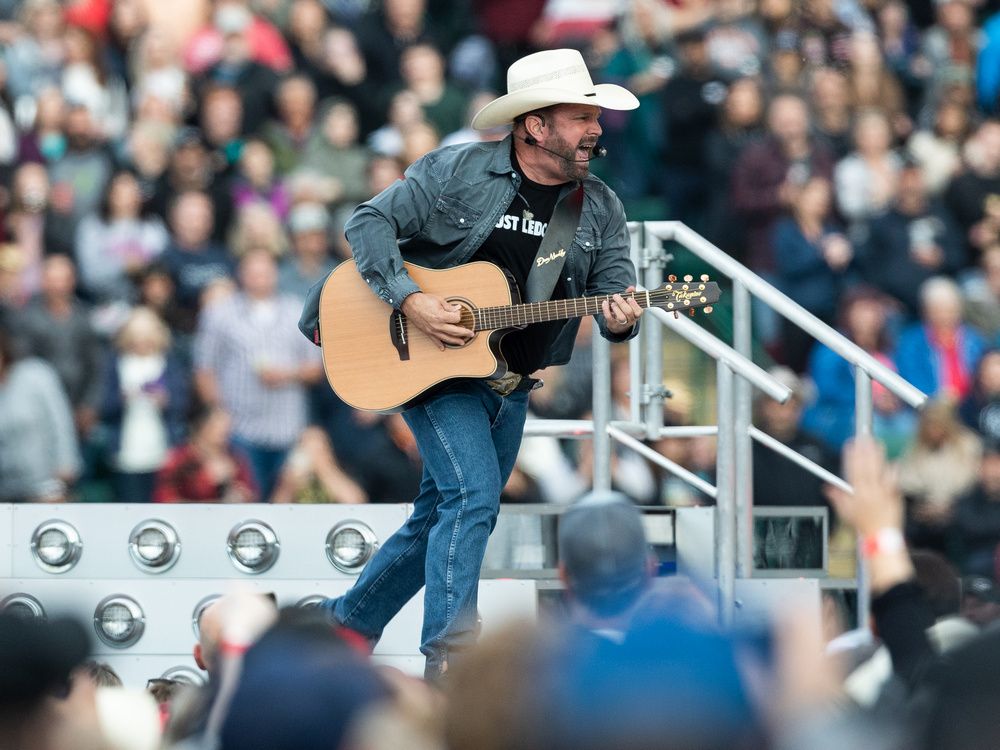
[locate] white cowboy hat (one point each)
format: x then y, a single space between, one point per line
555 76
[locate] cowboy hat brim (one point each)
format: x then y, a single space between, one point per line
503 110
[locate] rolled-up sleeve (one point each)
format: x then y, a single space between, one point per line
398 212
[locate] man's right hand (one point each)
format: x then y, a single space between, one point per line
437 318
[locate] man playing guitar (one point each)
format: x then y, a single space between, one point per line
471 202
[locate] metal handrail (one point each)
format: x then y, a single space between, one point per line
719 350
725 264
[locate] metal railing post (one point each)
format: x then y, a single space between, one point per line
725 503
743 417
652 394
863 418
602 411
637 402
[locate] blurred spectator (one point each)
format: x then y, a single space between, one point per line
863 318
980 600
145 404
938 151
86 82
940 353
872 85
254 81
157 73
740 124
900 42
814 264
208 47
913 241
192 259
345 74
980 410
310 260
737 40
604 561
206 469
44 141
952 42
250 359
257 228
419 140
101 673
222 123
468 134
938 468
299 688
28 225
288 135
334 152
55 327
981 289
776 480
35 56
868 178
386 31
255 181
830 95
975 522
971 195
405 113
770 174
79 177
690 102
305 25
422 70
39 458
311 474
116 243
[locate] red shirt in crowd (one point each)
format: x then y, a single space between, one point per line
184 478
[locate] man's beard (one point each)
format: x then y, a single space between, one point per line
569 165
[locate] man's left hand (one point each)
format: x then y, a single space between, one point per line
621 312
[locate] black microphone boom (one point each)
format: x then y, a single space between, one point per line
598 152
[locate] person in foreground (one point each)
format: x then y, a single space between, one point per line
493 202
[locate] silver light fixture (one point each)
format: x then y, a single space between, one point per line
253 546
154 546
56 546
349 545
23 606
119 621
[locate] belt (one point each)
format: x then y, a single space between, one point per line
513 382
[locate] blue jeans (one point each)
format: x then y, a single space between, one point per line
468 437
265 463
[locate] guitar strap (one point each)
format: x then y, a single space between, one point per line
552 251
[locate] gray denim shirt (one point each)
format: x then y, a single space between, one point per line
446 207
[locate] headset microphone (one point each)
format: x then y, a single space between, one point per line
598 152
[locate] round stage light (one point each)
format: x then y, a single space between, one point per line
154 546
253 546
56 546
349 545
119 621
23 607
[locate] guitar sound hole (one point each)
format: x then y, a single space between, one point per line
468 320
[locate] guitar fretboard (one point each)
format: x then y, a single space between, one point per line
507 316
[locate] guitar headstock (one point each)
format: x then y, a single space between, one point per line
686 294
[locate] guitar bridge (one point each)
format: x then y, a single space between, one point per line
397 332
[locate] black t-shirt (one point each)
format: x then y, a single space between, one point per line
513 245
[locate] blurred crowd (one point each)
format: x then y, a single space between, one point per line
628 661
174 177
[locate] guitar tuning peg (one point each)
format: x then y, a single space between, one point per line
671 278
675 315
707 309
691 312
704 277
688 277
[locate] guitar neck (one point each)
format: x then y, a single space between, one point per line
509 316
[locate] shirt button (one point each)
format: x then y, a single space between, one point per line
390 300
461 221
587 244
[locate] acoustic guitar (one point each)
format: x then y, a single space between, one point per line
376 361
